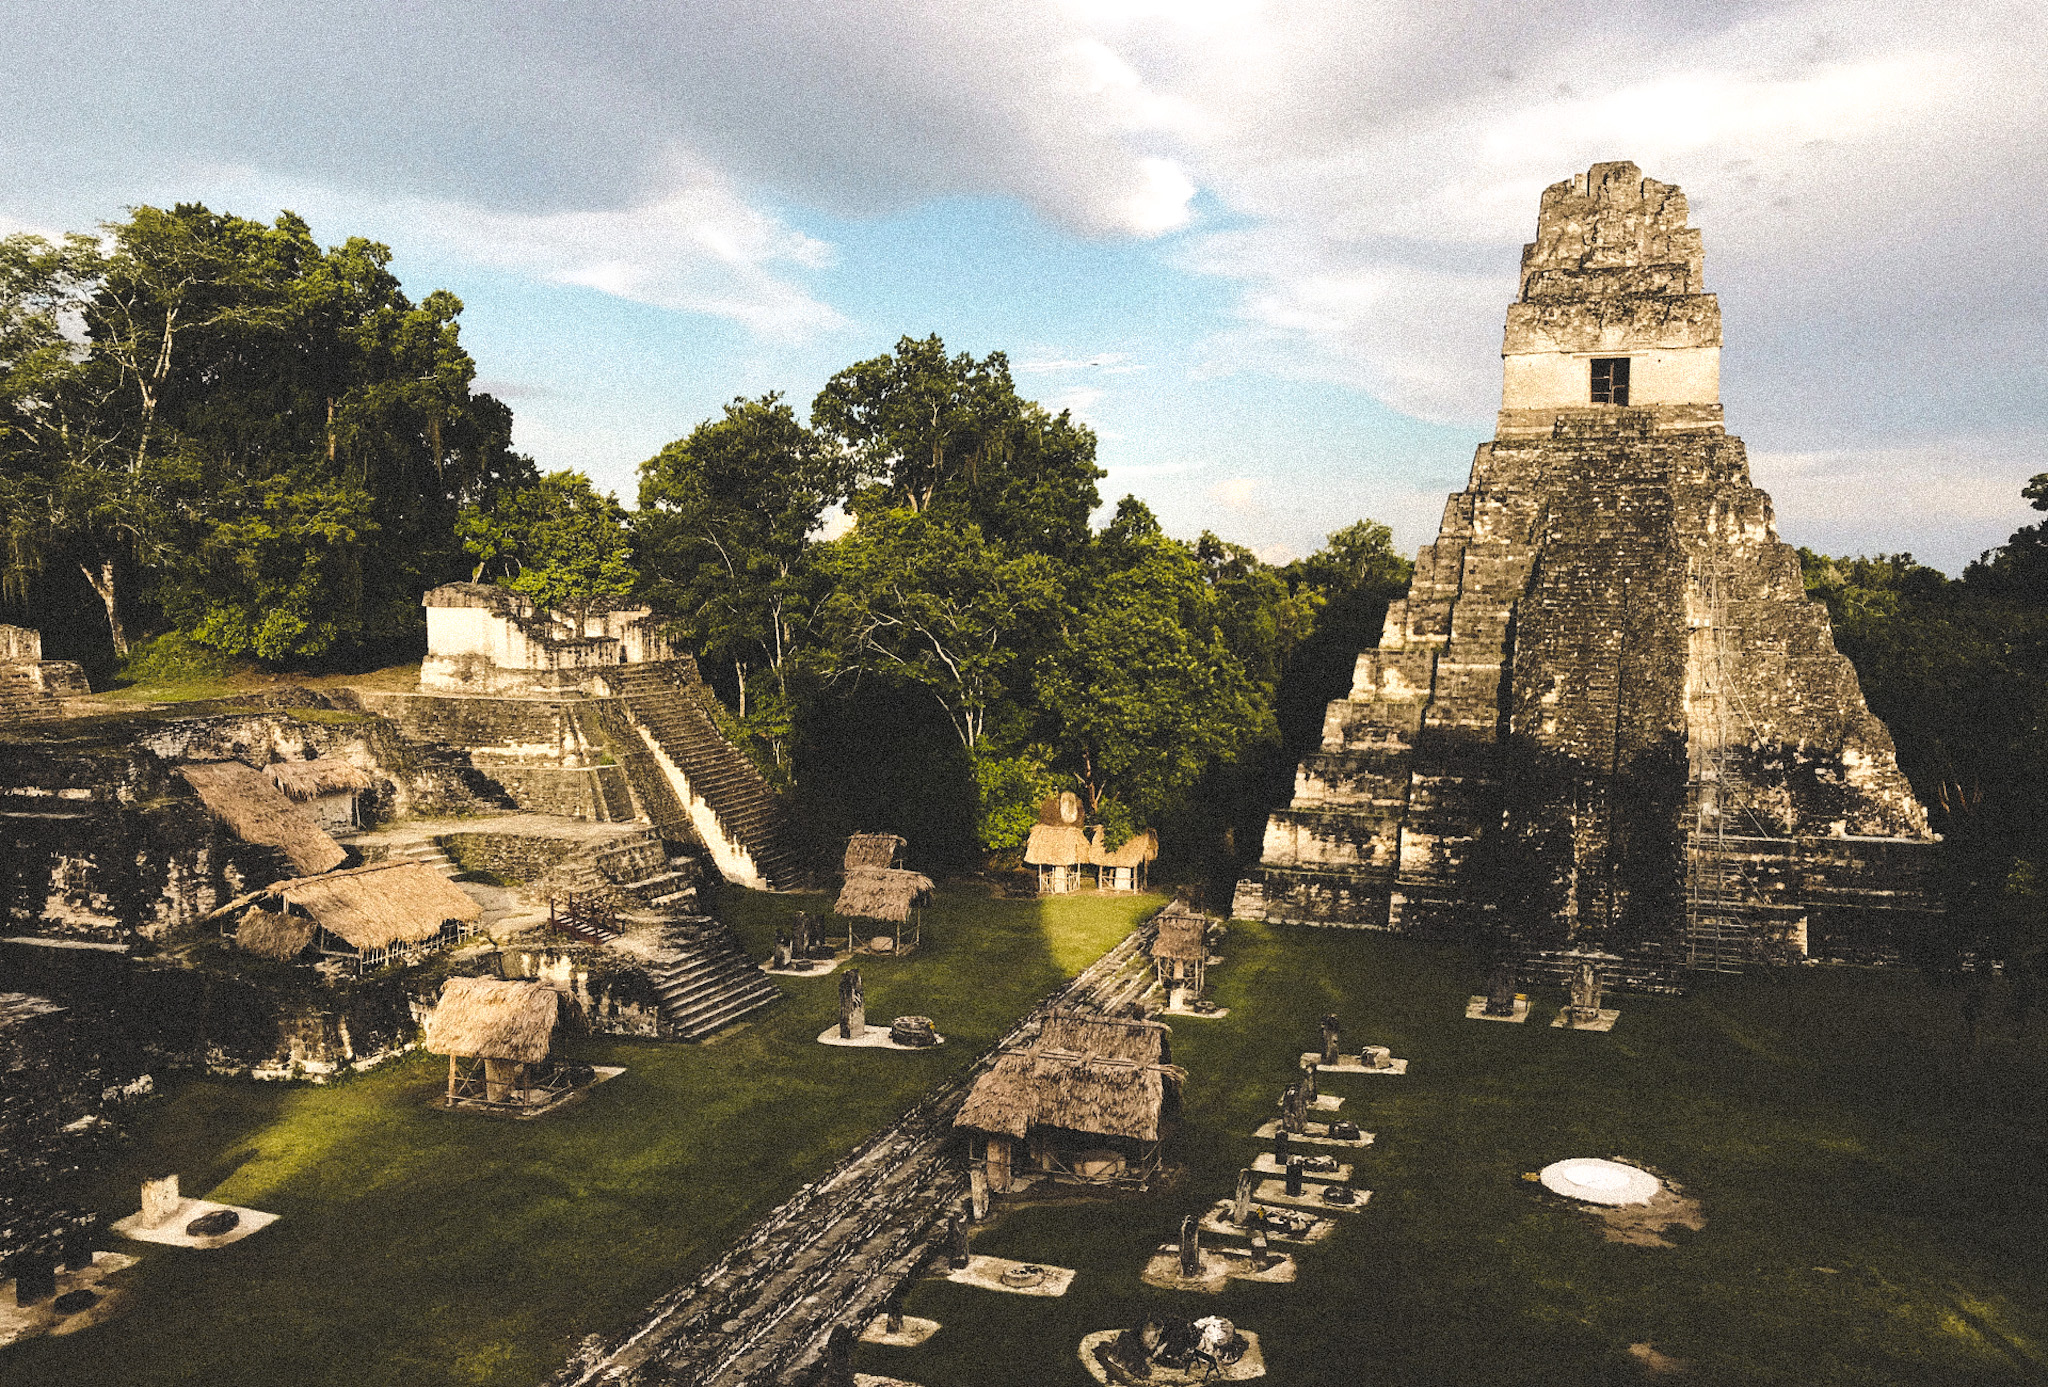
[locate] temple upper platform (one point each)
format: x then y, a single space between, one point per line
1613 311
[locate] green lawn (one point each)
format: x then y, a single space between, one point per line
1876 1201
418 1246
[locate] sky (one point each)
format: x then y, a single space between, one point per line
1264 250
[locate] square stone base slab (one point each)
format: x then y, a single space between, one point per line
819 969
1218 1220
1217 1015
601 1073
1220 1265
987 1273
1318 1134
171 1232
1350 1065
1252 1365
1275 1192
1475 1010
18 1322
1325 1102
876 1038
1603 1022
914 1332
1264 1164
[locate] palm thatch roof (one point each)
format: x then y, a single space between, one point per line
1139 848
872 850
257 812
880 893
378 906
304 780
1085 1074
1107 1037
273 934
492 1018
1057 845
1182 935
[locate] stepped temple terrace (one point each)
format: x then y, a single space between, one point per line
1606 719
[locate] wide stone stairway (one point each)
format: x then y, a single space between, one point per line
668 703
35 691
704 980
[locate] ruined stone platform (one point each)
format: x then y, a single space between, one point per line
988 1272
1475 1010
18 1322
1603 1022
1220 1266
1317 1134
1251 1365
1218 1220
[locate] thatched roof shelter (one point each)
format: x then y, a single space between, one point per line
1182 935
378 906
273 934
1085 1074
305 780
872 850
1141 847
492 1018
1057 845
1106 1037
258 812
877 893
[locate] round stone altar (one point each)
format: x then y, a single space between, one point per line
1600 1182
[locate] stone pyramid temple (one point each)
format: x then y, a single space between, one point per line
1607 720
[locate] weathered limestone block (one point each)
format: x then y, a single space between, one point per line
1606 686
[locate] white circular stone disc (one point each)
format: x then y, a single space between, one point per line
1600 1182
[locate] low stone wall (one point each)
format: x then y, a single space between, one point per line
512 858
508 731
59 1110
610 996
597 793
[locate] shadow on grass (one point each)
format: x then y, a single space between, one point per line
1872 1192
420 1246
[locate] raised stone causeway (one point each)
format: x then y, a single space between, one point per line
1606 720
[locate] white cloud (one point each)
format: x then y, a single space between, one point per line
1239 494
1109 362
700 249
1946 500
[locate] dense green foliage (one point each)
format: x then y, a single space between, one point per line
220 436
227 430
560 542
968 599
1958 670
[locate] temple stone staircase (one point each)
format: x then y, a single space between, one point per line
705 981
703 978
670 706
34 690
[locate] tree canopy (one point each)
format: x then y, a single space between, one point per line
248 437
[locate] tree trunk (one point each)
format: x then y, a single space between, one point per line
103 584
